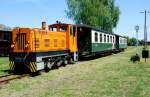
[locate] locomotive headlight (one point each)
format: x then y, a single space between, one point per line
13 45
27 45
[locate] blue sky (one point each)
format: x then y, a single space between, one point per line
30 13
131 16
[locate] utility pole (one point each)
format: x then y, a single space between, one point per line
145 52
145 29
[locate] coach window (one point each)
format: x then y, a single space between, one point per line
104 38
96 37
107 38
120 41
113 39
123 40
110 39
100 38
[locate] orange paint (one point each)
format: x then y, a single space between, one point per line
58 37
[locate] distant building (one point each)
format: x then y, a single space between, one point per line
5 39
4 28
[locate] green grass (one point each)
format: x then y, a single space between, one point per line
4 65
111 76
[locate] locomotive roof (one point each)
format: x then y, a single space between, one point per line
59 24
87 26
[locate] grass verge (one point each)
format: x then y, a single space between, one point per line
111 76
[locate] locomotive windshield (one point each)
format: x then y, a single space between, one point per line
58 28
53 28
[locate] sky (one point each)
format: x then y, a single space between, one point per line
131 16
30 13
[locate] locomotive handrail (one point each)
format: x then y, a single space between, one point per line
25 60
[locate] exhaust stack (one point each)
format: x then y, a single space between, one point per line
43 25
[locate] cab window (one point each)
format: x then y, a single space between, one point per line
63 28
53 28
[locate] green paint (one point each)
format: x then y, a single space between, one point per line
101 47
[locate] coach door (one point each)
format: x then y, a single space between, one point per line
73 39
117 42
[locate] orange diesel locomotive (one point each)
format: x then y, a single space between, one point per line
37 49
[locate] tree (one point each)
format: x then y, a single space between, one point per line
141 42
101 14
133 41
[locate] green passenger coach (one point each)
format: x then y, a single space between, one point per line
95 41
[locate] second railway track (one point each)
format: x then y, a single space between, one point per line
7 78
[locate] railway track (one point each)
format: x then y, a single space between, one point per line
7 78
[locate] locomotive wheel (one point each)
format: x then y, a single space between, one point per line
59 63
65 62
50 65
